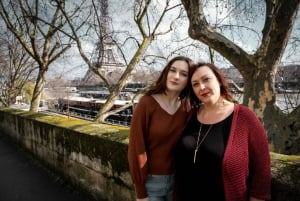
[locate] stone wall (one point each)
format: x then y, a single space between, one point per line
285 177
90 155
94 156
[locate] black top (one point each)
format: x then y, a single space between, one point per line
202 179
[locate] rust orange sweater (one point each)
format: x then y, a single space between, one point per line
153 136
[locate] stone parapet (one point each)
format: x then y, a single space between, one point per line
90 155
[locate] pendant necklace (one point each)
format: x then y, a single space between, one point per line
198 140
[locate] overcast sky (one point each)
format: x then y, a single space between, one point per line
122 20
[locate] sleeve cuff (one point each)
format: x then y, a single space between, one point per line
140 191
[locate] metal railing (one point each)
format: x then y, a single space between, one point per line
88 117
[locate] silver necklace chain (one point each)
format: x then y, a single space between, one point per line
198 140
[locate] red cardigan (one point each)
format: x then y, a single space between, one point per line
246 158
153 136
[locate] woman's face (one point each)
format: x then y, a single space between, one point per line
177 76
205 85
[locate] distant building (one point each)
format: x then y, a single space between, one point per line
232 74
287 77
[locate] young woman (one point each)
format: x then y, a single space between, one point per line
157 123
223 153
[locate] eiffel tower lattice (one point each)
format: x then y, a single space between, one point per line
109 61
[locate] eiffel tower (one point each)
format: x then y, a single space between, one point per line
108 60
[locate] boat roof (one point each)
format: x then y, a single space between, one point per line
95 100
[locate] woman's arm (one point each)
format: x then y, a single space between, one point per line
137 156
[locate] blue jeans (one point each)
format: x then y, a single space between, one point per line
160 187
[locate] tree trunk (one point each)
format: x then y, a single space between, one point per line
37 92
260 96
258 69
102 115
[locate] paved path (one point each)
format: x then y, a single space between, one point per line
22 179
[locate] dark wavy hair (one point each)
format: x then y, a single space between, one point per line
160 85
224 87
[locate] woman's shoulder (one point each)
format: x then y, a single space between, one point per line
245 112
242 108
146 98
146 101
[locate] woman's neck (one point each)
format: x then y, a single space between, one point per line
212 113
168 103
170 97
213 107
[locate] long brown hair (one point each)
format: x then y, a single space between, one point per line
160 86
224 87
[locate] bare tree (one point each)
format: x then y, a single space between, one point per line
259 67
38 26
16 68
149 22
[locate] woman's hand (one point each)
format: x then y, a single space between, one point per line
255 199
143 199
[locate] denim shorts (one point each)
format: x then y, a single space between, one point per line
160 187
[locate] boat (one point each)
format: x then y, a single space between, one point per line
88 108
